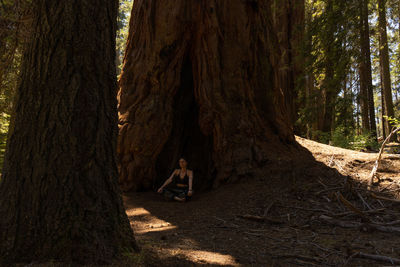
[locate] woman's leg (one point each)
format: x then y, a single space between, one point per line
183 195
178 194
168 194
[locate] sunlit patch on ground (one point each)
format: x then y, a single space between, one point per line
155 228
148 222
137 212
204 257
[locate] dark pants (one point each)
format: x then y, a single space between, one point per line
170 193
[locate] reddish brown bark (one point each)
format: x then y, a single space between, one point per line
289 18
59 195
201 78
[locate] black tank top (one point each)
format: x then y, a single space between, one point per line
179 180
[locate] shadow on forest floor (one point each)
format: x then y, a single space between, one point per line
304 213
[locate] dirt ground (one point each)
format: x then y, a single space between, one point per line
324 218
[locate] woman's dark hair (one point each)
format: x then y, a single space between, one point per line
184 158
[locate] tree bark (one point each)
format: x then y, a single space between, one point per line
366 128
384 66
289 19
367 57
366 89
330 87
59 195
201 78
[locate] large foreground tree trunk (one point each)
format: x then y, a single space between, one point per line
59 196
201 79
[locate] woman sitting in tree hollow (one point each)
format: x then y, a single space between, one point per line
182 181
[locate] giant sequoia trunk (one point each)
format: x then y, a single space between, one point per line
201 79
59 195
289 19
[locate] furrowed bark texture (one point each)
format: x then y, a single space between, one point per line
289 19
59 195
199 79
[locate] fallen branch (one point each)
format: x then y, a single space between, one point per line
346 224
328 189
306 209
388 223
375 257
349 205
301 257
385 198
268 208
260 219
376 165
350 212
363 201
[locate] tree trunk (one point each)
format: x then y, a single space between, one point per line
59 196
201 78
330 87
366 89
366 128
384 65
289 19
383 111
366 52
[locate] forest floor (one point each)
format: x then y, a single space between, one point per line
329 220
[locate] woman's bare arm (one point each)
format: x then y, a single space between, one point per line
190 183
168 181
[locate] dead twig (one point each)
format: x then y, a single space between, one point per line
328 189
350 212
301 208
346 224
377 161
301 257
375 257
363 201
269 207
259 219
349 205
385 198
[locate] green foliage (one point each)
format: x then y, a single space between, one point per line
365 142
4 122
321 136
360 142
125 7
395 122
342 139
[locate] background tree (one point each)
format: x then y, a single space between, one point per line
59 198
366 89
384 67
